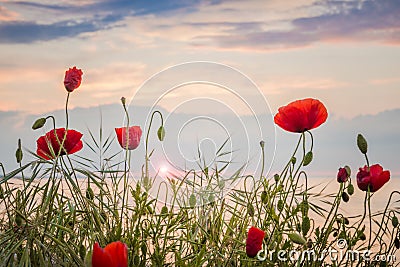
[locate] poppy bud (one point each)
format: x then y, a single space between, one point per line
345 197
309 243
161 133
350 189
39 123
164 210
276 177
346 221
136 260
363 237
280 205
335 234
250 209
362 144
293 160
18 153
18 219
308 158
123 101
264 197
82 251
192 200
296 238
305 225
262 144
395 221
397 242
89 193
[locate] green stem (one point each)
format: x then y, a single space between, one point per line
147 141
370 218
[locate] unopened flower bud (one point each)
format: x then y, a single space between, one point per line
362 144
123 101
262 144
395 221
397 242
345 197
89 193
39 123
305 225
293 160
250 209
264 197
18 153
350 189
296 238
308 158
161 133
276 177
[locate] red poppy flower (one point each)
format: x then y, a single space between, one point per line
114 254
373 177
254 241
73 78
301 115
342 175
49 145
133 138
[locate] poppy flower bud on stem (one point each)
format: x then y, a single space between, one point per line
161 133
123 101
18 153
39 123
362 144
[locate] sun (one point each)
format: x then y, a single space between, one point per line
163 169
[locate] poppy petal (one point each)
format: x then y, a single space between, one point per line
301 115
100 258
254 241
118 252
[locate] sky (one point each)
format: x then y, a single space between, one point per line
255 56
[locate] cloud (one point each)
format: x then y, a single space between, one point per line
7 15
70 20
370 20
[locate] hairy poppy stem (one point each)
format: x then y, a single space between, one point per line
147 159
370 218
127 159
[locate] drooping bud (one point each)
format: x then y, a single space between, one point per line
305 225
293 160
345 197
276 177
39 123
280 205
123 101
296 238
362 144
161 133
164 210
18 153
308 158
264 197
395 221
350 189
262 144
397 242
250 209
